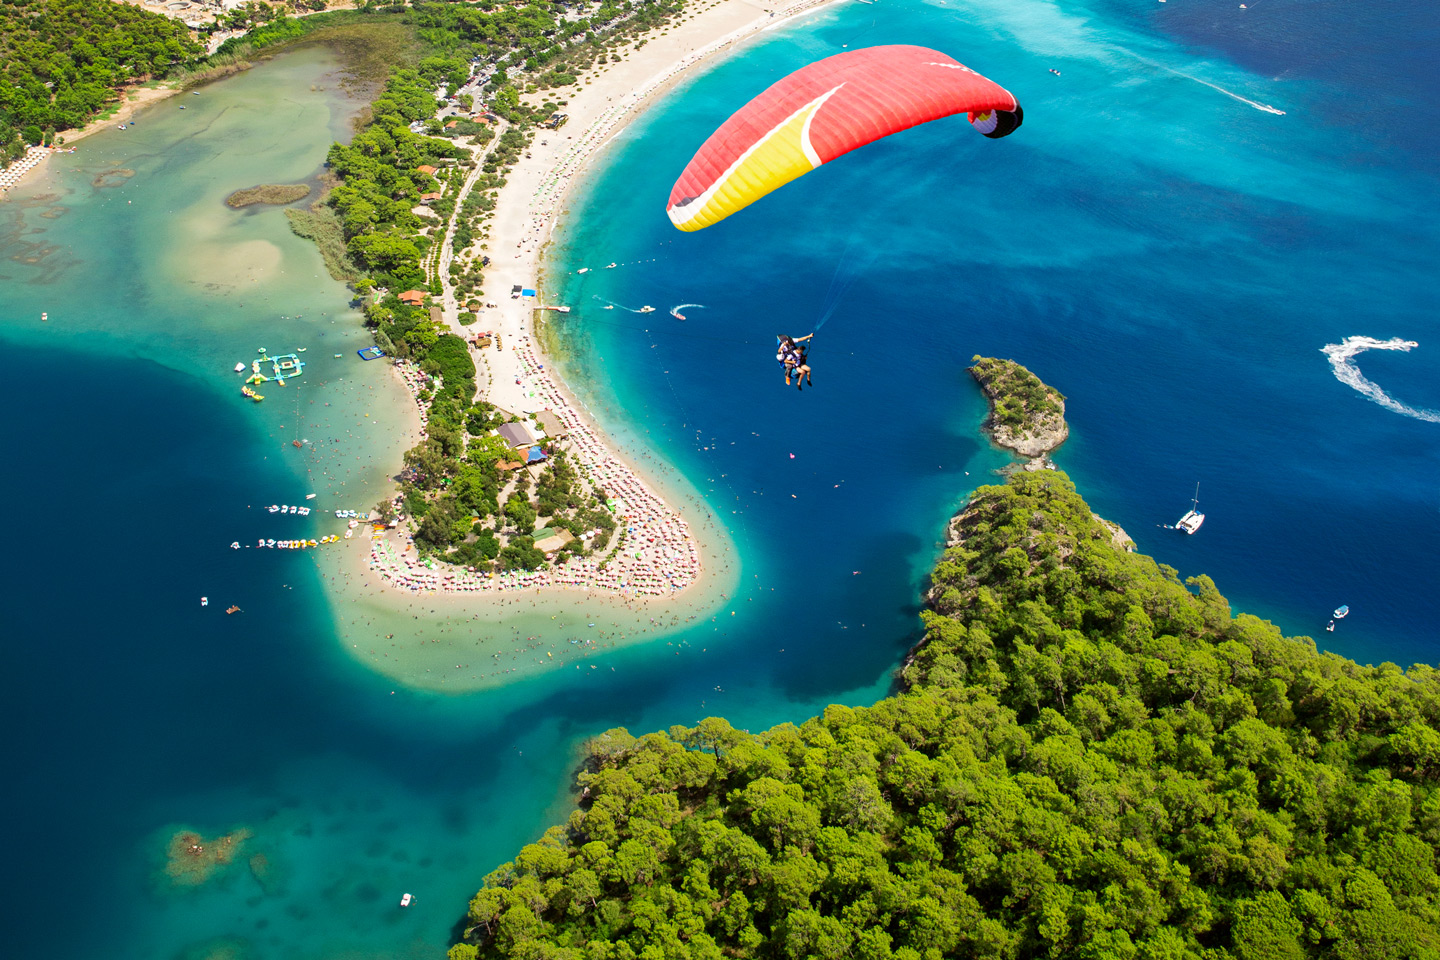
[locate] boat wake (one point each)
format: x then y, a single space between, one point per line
1264 107
675 310
620 306
1342 364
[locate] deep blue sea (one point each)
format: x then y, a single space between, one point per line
1158 241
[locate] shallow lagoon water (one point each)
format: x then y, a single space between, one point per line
1170 257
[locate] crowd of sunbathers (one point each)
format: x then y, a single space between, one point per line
791 354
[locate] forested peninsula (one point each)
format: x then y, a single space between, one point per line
1086 758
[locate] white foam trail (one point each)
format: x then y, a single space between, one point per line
619 305
675 310
1341 355
1215 86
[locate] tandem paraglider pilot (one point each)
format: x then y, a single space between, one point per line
794 358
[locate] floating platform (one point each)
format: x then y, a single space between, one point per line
371 353
281 367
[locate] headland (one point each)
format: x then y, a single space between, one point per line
1090 687
662 550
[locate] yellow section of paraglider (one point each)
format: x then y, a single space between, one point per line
782 155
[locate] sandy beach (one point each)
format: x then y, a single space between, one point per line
132 100
660 556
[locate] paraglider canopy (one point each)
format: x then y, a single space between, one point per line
826 110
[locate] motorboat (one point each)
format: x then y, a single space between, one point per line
204 601
1341 612
1330 627
406 900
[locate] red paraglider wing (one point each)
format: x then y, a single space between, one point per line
826 110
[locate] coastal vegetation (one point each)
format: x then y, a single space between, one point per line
61 61
1087 758
1026 415
321 226
272 193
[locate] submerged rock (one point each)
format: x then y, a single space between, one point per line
191 859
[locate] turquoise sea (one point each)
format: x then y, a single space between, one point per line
1155 242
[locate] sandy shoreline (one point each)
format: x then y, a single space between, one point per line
666 560
459 640
132 100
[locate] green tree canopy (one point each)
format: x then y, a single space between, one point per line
1088 759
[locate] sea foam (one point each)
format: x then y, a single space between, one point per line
1342 356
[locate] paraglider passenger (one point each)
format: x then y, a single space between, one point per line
789 354
802 366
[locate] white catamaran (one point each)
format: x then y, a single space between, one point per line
1193 518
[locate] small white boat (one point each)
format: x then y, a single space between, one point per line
1341 612
204 601
239 368
647 309
1193 517
406 900
235 545
1330 628
309 496
274 508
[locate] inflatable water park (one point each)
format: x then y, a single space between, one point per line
282 368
